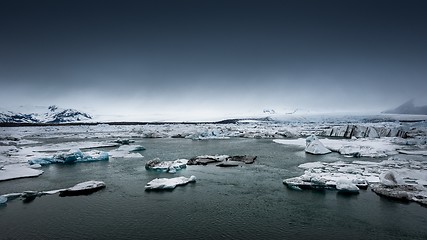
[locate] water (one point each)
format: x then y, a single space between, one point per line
248 202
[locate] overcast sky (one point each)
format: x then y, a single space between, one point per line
213 57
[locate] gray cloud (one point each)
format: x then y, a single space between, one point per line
154 56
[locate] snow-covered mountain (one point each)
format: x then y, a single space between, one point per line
408 108
52 114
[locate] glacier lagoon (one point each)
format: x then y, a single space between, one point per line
245 202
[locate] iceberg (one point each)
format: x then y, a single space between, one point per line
168 183
73 156
83 188
166 166
3 199
314 146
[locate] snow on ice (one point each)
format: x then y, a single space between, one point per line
395 177
73 156
168 183
14 171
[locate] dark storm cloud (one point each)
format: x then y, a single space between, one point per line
344 54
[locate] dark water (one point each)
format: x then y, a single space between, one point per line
248 202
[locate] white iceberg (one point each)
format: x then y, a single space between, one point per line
14 171
314 146
168 183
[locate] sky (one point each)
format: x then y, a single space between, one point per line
179 58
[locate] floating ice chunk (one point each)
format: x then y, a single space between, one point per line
127 151
3 199
168 183
314 146
73 156
83 188
166 166
402 192
35 166
14 171
131 148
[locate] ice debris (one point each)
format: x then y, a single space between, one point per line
73 156
168 183
166 166
314 146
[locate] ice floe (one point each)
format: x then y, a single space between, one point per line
168 183
83 188
14 171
